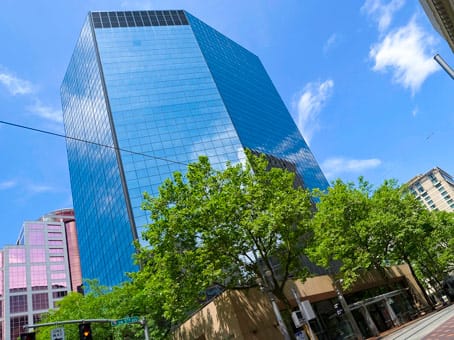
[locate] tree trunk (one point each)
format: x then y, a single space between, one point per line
418 282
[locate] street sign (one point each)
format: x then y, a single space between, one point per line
131 319
57 334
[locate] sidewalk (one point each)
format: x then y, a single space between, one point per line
445 331
425 327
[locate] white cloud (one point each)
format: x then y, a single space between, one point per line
38 189
415 111
7 185
332 41
332 167
404 53
382 13
46 112
308 105
15 85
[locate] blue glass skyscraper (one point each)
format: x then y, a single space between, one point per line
151 91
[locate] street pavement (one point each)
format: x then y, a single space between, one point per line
438 325
445 331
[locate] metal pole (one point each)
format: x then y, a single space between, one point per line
301 308
280 321
145 328
56 323
444 65
348 312
264 285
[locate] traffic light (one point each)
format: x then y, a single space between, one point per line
85 331
28 336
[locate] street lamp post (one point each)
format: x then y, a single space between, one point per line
444 65
348 312
301 308
264 287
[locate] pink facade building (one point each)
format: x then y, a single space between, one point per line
38 271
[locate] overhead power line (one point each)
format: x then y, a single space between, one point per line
89 142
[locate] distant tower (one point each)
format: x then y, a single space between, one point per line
435 189
39 270
161 88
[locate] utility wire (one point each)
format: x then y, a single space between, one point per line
89 142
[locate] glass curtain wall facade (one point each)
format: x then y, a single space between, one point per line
37 272
145 94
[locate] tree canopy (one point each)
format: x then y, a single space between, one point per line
362 229
99 303
217 229
223 228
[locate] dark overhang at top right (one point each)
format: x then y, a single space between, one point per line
441 15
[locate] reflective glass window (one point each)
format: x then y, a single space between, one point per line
56 259
57 267
16 255
40 301
18 303
38 276
59 285
36 318
58 276
36 237
16 325
37 255
56 251
60 294
17 279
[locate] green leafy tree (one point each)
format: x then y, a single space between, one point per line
362 229
99 303
442 240
398 216
341 233
435 259
222 228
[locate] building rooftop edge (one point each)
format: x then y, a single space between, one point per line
418 177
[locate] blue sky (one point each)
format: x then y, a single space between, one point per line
357 76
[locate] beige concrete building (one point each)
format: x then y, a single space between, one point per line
441 15
435 189
376 304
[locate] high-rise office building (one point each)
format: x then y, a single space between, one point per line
39 270
151 91
441 15
435 189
